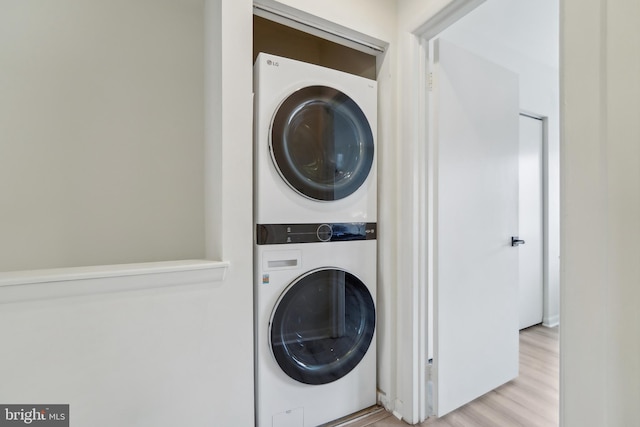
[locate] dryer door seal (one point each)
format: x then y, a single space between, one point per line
321 143
322 326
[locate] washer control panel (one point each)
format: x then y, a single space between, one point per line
277 234
324 232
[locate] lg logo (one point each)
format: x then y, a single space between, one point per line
273 63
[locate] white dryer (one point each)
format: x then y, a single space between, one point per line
315 143
315 327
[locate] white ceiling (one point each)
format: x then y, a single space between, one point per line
530 27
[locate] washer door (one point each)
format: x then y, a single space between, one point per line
322 326
321 143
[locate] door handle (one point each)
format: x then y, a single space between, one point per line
515 241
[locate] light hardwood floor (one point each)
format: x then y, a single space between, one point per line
530 400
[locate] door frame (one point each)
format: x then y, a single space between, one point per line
416 196
414 403
414 373
545 209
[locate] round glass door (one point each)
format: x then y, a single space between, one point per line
322 326
321 143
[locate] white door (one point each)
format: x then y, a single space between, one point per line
530 290
475 137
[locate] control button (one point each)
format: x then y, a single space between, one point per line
324 232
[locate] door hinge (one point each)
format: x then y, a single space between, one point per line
430 82
430 411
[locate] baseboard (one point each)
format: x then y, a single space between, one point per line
551 321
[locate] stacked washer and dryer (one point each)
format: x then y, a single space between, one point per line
315 243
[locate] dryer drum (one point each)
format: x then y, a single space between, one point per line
321 143
322 326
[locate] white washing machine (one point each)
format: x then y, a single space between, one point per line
315 143
315 326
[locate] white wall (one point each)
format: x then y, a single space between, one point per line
229 204
413 13
163 357
101 132
374 18
528 46
152 357
600 330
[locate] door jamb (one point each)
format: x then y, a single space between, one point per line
545 215
413 300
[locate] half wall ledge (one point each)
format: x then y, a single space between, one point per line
18 286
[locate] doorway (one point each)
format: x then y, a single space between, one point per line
539 92
530 221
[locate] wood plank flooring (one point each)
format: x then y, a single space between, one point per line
531 400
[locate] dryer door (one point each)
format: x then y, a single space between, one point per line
322 143
322 326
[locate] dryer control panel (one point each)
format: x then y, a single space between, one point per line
277 234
